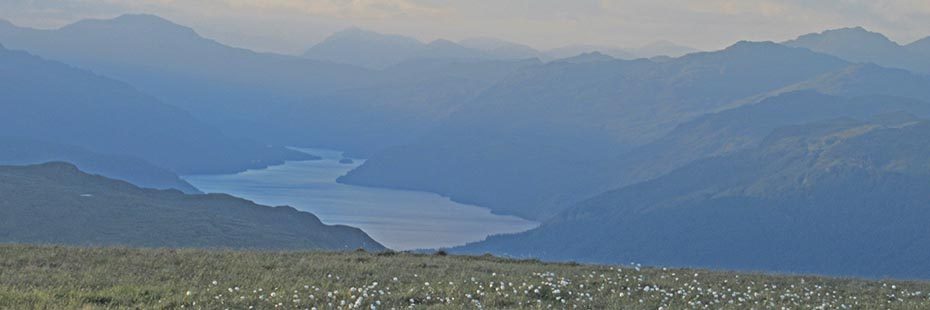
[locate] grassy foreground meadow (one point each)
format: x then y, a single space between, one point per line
116 278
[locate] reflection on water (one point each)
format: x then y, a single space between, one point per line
398 219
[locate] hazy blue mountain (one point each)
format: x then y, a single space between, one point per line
860 45
445 49
140 49
374 50
19 151
413 98
524 145
501 49
921 46
243 93
365 48
719 134
274 99
592 57
869 79
745 127
575 50
49 101
58 204
654 49
838 197
662 48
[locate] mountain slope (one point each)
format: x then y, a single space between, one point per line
662 48
527 145
860 80
273 99
745 127
839 197
365 48
500 49
413 98
52 102
860 45
921 46
378 51
20 151
56 203
651 50
243 93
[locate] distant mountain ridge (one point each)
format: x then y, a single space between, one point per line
22 151
55 203
503 49
651 50
374 50
369 49
273 99
56 103
243 93
860 45
555 123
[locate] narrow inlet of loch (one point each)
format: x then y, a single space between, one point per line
399 219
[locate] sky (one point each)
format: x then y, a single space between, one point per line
291 26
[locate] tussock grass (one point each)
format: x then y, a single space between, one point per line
48 277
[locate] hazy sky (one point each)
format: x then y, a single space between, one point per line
293 25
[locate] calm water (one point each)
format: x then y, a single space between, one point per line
398 219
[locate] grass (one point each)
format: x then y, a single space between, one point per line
48 277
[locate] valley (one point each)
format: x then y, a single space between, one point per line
401 220
776 159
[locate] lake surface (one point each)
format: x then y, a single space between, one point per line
401 220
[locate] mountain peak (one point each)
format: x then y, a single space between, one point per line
142 18
130 22
753 46
591 57
364 48
856 31
358 34
860 45
850 36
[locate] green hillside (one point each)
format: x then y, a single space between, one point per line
55 203
98 278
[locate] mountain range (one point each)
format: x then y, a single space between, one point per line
803 156
554 124
56 103
277 99
374 50
240 92
860 45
